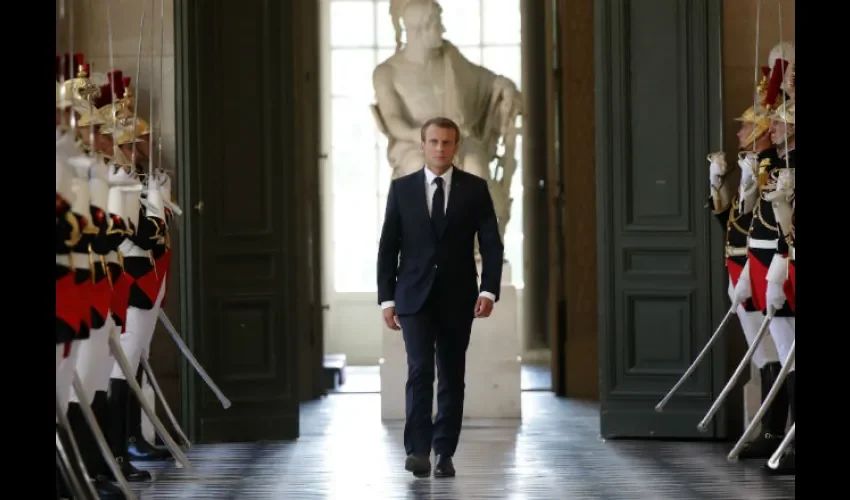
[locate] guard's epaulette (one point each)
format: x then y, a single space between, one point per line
765 162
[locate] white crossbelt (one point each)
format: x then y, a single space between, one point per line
792 253
762 244
79 260
130 249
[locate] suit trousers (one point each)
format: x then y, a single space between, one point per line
441 328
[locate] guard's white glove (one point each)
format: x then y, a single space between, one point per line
775 296
786 180
716 169
749 167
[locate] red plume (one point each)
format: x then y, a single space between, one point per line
66 69
773 87
116 81
104 98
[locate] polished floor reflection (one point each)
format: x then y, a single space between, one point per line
345 452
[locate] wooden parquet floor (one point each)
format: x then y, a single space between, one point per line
345 452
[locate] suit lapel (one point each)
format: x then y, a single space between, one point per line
420 198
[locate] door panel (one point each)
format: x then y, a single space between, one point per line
236 141
658 112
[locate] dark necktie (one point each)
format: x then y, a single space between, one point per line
438 206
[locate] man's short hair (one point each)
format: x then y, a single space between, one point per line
440 122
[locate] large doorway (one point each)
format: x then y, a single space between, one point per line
356 35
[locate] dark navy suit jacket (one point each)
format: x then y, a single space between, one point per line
411 254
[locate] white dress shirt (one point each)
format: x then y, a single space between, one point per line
430 189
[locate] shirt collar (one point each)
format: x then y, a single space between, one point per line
447 176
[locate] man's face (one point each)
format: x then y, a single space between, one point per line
744 134
779 131
440 147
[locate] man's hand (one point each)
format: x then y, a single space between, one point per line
483 307
391 319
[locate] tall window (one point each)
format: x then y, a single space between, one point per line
362 36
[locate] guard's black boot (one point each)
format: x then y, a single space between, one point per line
138 447
786 462
92 457
775 418
116 414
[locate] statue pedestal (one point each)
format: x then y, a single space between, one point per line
493 365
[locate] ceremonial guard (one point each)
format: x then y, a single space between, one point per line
138 447
781 276
736 217
146 226
760 174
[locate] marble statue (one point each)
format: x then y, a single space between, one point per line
429 77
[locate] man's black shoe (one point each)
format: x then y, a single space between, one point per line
420 466
444 467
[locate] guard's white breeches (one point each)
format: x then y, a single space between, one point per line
766 350
138 333
157 306
782 331
60 354
65 375
94 362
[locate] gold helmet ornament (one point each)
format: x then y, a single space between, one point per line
785 112
118 115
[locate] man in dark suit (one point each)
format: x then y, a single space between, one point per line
428 288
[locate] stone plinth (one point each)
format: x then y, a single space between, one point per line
492 366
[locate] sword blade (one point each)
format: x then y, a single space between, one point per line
768 400
705 350
192 361
165 406
124 365
715 407
91 421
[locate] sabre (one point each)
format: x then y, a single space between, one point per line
65 427
780 378
67 472
124 365
703 425
91 421
691 369
192 361
773 463
152 379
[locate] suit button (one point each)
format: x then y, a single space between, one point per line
435 266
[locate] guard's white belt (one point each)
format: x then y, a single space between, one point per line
130 249
112 258
792 253
762 244
74 260
736 251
